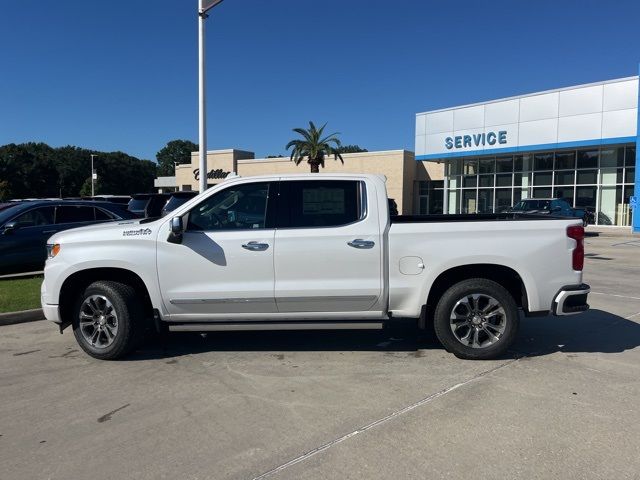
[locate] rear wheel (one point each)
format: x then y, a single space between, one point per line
108 320
476 319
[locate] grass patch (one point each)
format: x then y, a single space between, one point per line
20 294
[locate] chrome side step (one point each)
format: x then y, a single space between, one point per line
248 326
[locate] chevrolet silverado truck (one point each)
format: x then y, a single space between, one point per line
291 252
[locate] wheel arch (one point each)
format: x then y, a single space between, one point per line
501 274
79 281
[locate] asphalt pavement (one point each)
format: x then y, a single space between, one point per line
565 402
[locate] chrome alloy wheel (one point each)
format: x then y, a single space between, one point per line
98 321
478 320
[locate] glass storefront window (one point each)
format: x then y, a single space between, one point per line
470 166
542 178
630 156
610 206
565 160
566 193
565 177
522 163
455 167
588 159
485 181
504 164
468 201
598 179
469 181
612 157
485 200
503 180
503 199
630 175
608 176
487 165
543 161
542 192
587 176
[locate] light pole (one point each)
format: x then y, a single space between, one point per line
93 175
203 7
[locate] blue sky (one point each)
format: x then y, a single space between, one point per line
122 74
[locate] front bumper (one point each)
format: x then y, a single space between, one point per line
571 299
51 312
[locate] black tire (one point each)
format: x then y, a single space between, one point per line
585 221
130 321
508 321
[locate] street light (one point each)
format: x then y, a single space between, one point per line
203 7
93 175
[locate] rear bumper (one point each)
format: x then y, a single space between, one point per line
571 299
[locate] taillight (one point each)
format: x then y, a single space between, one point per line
576 232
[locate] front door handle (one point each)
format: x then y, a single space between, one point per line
359 243
255 246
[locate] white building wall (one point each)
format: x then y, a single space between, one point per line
604 112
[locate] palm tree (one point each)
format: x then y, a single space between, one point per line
314 146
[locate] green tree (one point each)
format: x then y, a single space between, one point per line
37 170
351 149
314 147
175 151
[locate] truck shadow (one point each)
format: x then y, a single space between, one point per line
591 332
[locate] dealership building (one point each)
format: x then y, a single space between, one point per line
409 183
579 143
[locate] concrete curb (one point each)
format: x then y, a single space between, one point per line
12 318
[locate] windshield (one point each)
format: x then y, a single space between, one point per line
533 205
7 213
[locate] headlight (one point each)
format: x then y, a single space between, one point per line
52 249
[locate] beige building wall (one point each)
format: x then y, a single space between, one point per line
399 166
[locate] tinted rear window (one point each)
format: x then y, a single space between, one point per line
74 214
138 203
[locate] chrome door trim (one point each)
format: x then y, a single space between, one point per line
192 301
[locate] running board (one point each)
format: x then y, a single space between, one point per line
248 326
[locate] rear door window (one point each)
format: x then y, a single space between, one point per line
319 203
74 214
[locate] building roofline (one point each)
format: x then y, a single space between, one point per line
533 94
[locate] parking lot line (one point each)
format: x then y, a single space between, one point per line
615 295
384 419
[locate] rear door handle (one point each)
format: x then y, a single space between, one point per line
359 243
255 246
49 231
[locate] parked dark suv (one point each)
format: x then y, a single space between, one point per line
549 206
26 226
147 204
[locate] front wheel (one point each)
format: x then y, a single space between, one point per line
476 319
108 320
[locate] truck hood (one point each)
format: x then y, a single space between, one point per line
107 231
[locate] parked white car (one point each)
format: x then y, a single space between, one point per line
311 252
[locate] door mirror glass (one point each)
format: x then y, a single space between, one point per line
176 225
175 235
10 227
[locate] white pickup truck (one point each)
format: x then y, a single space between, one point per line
311 252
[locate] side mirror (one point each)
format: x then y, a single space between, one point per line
175 236
10 227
